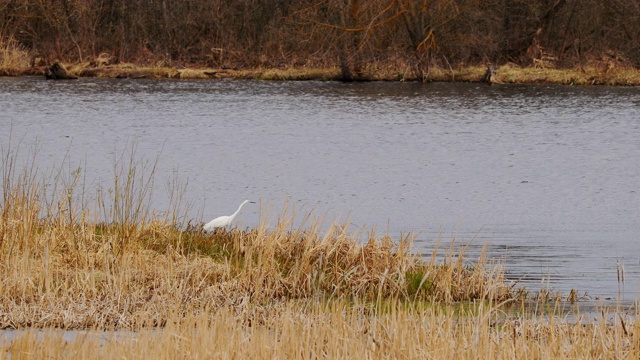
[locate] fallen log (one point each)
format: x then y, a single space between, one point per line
57 71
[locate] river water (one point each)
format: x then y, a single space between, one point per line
547 176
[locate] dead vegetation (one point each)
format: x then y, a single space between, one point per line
262 293
595 74
61 267
15 59
363 40
346 330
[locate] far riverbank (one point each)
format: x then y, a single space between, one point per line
506 74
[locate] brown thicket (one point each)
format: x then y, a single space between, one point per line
358 36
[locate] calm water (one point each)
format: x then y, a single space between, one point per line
548 176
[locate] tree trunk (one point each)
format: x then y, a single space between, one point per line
488 75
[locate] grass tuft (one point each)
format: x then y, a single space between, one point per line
14 58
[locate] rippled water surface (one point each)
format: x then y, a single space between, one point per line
548 176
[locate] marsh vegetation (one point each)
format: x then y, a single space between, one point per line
76 259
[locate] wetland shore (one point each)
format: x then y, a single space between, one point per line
505 74
117 267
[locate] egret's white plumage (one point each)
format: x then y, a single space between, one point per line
223 221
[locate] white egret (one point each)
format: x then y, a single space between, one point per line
223 221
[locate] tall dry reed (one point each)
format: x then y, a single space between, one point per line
343 330
117 264
15 59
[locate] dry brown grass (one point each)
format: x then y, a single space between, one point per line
124 70
588 75
346 331
61 267
78 276
276 292
14 59
596 73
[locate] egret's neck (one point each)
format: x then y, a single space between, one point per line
237 211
